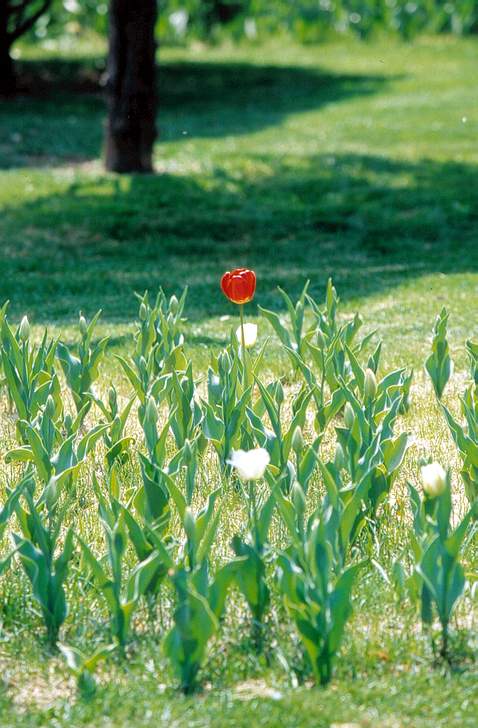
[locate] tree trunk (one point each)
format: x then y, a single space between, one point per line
7 73
131 128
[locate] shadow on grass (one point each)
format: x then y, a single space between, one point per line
59 117
371 222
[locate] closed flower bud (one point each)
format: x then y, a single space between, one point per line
250 335
370 385
298 498
223 363
143 312
340 462
112 399
297 441
187 453
349 416
434 479
189 523
50 406
83 325
51 493
151 414
24 329
173 305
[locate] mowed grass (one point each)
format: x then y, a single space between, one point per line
356 161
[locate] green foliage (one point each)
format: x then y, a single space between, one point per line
45 552
368 453
294 338
439 364
278 441
158 334
316 589
200 603
307 20
185 414
57 454
83 666
116 442
82 371
158 347
228 395
29 372
200 596
440 368
439 577
253 552
121 587
334 352
315 565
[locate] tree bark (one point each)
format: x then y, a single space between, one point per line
131 127
16 18
7 73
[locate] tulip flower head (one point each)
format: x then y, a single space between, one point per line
239 285
250 464
434 479
370 384
250 335
24 329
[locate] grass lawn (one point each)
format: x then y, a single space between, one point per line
356 161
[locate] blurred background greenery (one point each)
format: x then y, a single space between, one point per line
305 20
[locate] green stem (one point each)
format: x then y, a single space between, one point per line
322 379
253 514
444 646
243 346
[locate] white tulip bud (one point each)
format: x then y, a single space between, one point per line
340 461
151 414
143 312
83 325
189 523
434 479
250 465
24 330
349 416
173 304
298 498
250 335
370 385
297 440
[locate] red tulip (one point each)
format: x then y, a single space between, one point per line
239 285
